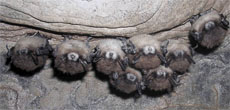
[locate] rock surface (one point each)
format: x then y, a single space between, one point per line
106 17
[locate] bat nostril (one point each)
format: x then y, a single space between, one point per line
131 77
115 75
24 51
150 49
72 56
110 54
134 51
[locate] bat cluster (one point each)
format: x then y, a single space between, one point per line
132 65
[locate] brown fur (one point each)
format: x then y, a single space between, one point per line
147 62
213 37
179 64
141 41
107 66
159 84
122 84
111 45
25 62
71 67
31 43
72 46
200 22
178 45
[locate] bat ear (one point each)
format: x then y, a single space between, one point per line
67 37
128 47
9 51
87 41
224 22
38 34
164 46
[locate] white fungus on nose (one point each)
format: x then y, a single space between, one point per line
131 77
209 25
161 73
73 56
111 55
149 50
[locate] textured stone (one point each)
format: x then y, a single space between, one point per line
106 17
8 98
12 95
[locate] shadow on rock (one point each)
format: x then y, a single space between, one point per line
123 95
68 77
155 94
24 73
199 48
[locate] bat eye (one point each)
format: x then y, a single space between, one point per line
111 55
23 51
209 26
178 53
131 77
149 50
197 36
115 75
225 22
73 56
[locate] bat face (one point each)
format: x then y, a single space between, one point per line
210 29
109 56
148 54
30 52
160 79
178 56
72 57
126 81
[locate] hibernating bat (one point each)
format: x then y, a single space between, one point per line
30 52
109 56
72 57
210 29
127 81
178 55
147 54
161 78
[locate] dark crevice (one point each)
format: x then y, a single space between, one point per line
66 77
45 30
